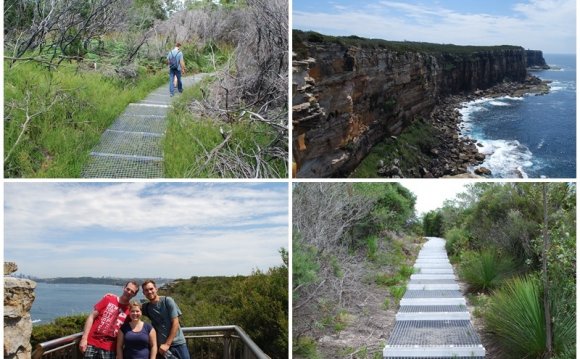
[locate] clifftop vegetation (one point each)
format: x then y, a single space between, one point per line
299 37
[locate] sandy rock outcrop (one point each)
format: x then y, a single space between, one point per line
18 299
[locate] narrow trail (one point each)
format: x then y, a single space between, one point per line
433 320
132 146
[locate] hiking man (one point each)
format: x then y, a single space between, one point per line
176 67
164 314
102 325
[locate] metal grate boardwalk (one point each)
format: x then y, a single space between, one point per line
433 321
132 146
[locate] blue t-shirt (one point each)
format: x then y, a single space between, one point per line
136 343
161 314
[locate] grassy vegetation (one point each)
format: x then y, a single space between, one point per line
191 138
516 316
485 270
52 119
407 148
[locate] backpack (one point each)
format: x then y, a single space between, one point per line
173 64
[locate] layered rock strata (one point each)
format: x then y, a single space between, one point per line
18 299
346 99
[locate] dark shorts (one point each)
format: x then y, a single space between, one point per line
98 353
179 351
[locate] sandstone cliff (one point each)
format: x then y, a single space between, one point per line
535 60
348 97
18 299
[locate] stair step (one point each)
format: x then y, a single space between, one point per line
429 287
433 301
433 316
435 271
423 276
392 352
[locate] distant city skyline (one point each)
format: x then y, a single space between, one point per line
170 230
547 25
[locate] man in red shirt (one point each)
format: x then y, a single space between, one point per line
102 325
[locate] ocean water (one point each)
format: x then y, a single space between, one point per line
58 300
533 136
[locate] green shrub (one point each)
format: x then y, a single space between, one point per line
515 316
564 319
61 327
405 271
456 241
305 266
306 347
485 270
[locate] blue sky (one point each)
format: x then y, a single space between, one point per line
547 25
174 230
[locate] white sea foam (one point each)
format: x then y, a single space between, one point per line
506 158
511 98
467 108
498 103
556 86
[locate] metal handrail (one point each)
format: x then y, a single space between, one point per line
59 344
239 331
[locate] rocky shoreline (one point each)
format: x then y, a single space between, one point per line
453 154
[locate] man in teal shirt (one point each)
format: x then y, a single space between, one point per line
164 314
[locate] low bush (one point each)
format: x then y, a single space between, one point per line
515 316
485 270
305 266
456 241
306 347
61 327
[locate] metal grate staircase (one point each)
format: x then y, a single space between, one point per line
433 321
132 146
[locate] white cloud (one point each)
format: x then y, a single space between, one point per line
139 229
547 25
128 207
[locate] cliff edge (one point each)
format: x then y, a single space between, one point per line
350 93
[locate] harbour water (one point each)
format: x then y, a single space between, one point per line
533 136
58 300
